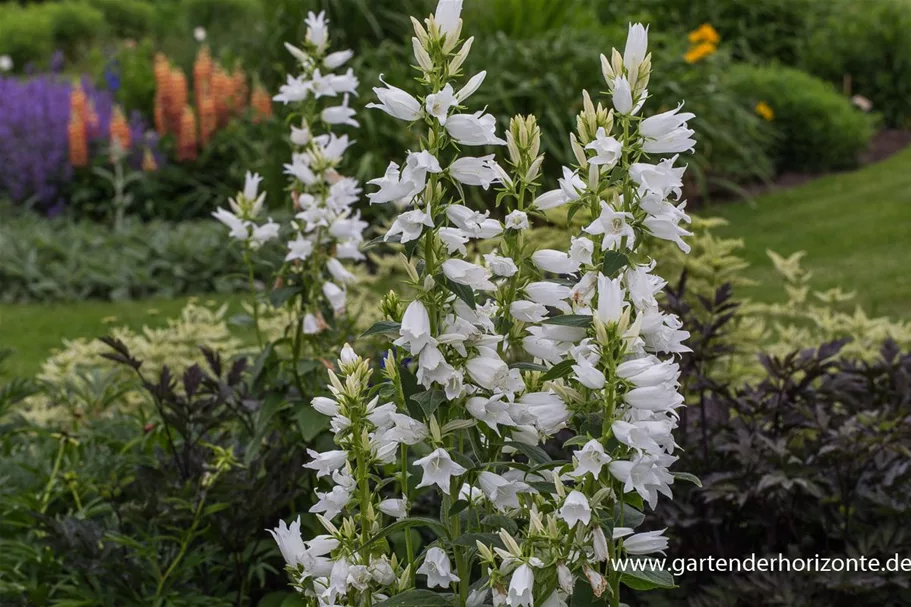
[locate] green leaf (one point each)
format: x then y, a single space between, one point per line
429 401
274 599
311 422
576 441
280 297
613 262
570 320
407 523
627 516
457 507
584 597
417 598
532 452
561 369
528 367
294 600
463 292
686 476
499 521
649 579
382 326
410 387
471 539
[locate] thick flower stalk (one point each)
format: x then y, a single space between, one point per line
326 230
493 354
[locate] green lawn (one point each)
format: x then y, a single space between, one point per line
855 228
34 330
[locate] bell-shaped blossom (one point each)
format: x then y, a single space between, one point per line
415 329
410 225
576 509
474 171
337 59
326 463
549 294
439 104
436 565
474 129
553 261
340 114
607 149
648 542
447 15
614 227
521 587
492 411
502 493
661 178
571 185
527 311
471 86
317 29
462 272
517 220
636 48
610 299
439 470
501 266
289 541
557 198
396 102
622 96
590 459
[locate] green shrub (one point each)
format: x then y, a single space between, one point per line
59 260
25 35
868 41
222 15
127 18
526 18
818 128
770 29
74 24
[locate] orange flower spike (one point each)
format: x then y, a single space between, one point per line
221 90
161 114
240 91
78 142
202 73
208 119
261 103
79 103
186 140
120 129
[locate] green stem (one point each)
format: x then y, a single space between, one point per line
46 496
252 280
184 544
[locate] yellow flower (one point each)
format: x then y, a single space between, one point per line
765 111
700 52
705 33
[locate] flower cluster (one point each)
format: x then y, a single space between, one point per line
494 353
325 229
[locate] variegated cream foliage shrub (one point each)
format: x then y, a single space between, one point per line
809 316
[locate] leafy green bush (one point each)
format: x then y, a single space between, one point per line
127 18
818 128
25 35
164 505
771 29
527 18
59 260
75 25
868 41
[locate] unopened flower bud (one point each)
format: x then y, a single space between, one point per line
459 59
391 305
565 578
578 151
421 55
599 543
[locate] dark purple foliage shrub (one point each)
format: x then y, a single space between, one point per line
814 459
